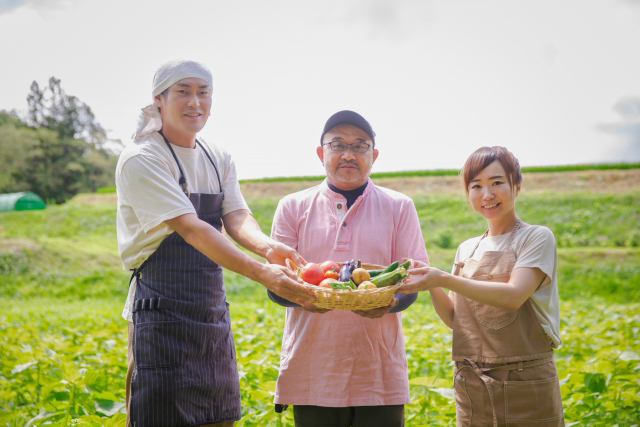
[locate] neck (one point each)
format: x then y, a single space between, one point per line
347 186
504 225
182 139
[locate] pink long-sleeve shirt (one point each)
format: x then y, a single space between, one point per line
339 358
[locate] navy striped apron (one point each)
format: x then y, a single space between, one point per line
185 369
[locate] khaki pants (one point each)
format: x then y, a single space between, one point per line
130 367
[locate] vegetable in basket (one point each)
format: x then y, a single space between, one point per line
346 270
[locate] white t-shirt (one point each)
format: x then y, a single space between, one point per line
149 194
534 247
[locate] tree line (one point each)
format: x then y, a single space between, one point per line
56 150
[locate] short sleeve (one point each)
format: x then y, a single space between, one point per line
409 241
456 260
284 228
233 198
152 191
538 250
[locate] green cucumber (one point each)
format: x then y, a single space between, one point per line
392 267
391 278
406 264
374 273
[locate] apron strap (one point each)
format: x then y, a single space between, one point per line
513 232
521 364
487 383
182 181
214 165
511 237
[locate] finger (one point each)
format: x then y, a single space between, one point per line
298 258
298 291
419 270
292 275
409 259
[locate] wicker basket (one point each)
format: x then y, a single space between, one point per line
338 299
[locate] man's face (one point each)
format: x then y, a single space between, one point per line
347 169
186 106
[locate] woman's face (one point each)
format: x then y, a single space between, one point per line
490 193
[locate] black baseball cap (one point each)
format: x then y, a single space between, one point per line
346 117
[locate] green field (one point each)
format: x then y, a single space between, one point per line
63 342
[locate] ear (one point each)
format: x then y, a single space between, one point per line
158 100
375 155
518 189
320 152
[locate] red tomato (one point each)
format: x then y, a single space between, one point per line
331 274
326 283
312 273
330 265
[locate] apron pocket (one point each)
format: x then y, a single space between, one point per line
493 317
535 403
156 344
463 401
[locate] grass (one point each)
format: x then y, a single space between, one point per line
63 341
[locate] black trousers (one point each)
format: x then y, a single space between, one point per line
352 416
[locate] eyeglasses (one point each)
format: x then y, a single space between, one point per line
358 147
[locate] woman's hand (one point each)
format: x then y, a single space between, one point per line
422 279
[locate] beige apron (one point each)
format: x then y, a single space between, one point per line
505 374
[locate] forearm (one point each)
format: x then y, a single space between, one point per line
245 230
404 301
443 305
496 294
220 250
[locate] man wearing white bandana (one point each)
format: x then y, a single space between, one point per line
175 192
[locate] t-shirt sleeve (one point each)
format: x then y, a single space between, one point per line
233 198
152 191
283 228
456 260
538 250
409 241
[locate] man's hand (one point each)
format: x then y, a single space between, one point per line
279 252
422 279
284 282
376 313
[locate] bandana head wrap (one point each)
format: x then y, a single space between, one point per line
169 73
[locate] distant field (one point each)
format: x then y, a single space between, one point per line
437 173
62 289
449 172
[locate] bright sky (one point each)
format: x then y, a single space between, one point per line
436 79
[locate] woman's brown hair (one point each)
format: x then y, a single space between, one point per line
483 157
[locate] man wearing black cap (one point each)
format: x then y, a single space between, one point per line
346 368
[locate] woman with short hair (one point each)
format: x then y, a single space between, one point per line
502 305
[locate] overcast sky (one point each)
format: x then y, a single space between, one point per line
437 79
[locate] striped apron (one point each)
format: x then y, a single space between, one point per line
185 369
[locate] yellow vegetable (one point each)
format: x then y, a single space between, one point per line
359 275
366 285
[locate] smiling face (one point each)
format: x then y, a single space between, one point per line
491 195
186 106
347 169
